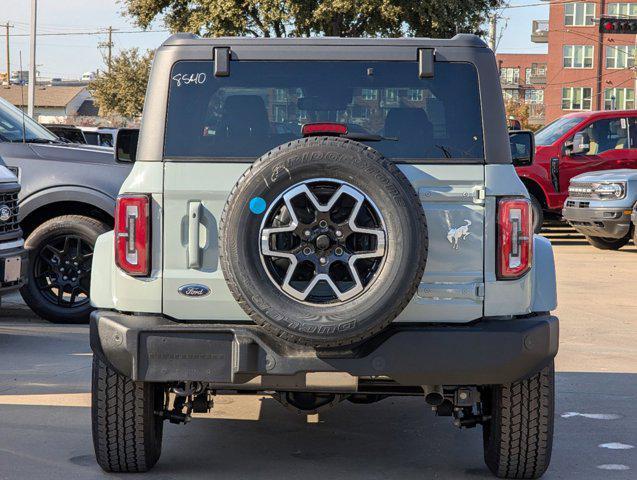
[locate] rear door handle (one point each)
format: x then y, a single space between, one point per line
194 221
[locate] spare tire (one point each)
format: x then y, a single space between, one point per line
323 241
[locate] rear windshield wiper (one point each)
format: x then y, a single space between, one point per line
445 152
367 137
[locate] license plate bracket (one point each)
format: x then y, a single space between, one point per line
197 356
12 267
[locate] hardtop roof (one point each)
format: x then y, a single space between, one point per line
459 40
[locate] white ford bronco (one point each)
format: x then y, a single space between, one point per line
324 220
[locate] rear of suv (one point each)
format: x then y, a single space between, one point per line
324 220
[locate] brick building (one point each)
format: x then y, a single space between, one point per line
523 78
585 70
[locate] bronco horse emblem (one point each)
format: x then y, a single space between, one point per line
454 235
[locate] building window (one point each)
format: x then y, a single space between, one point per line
539 69
622 10
534 96
359 113
576 98
415 94
579 14
527 75
510 75
619 99
511 95
280 95
391 96
620 56
578 56
369 94
280 113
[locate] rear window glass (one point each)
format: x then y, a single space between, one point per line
264 104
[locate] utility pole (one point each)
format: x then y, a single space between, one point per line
32 66
599 97
7 27
634 74
108 45
493 31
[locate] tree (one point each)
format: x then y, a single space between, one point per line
121 90
341 18
521 111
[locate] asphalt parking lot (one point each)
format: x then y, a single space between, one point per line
45 430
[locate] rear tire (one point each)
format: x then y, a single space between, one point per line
127 433
518 438
608 243
47 256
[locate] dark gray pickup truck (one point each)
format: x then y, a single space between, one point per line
67 200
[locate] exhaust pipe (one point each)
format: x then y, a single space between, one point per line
433 395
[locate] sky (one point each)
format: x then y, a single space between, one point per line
69 56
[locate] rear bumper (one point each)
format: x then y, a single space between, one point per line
13 254
599 222
155 349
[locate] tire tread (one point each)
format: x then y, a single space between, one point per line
519 437
122 412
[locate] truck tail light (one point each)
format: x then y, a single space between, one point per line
132 234
323 128
515 238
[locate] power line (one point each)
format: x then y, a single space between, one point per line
543 4
99 32
593 95
589 78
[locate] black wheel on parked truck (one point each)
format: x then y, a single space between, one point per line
127 431
60 257
518 438
323 241
608 243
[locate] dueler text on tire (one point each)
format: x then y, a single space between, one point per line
518 438
323 241
127 432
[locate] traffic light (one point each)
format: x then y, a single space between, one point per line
618 25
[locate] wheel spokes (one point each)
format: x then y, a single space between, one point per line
333 235
61 269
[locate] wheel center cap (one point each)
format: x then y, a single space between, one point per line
323 242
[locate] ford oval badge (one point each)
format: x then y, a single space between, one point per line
194 290
5 213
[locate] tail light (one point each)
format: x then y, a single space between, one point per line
323 128
515 238
132 234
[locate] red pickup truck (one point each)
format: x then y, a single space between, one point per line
574 144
